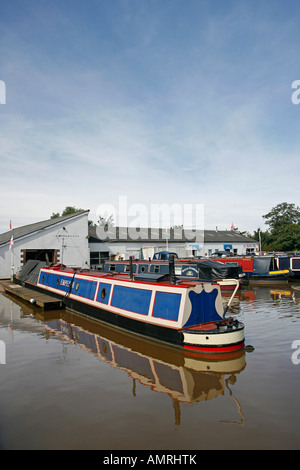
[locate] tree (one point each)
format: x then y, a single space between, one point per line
70 210
288 239
67 211
281 215
284 233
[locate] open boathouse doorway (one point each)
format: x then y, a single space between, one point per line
49 256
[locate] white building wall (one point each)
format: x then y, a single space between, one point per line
237 248
138 250
143 250
72 243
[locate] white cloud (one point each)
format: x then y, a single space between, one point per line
161 107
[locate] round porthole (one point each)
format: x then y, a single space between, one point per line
103 293
143 269
57 282
43 278
77 286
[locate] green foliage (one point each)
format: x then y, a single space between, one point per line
284 232
282 215
70 210
67 211
287 238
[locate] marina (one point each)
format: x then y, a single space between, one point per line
92 386
189 315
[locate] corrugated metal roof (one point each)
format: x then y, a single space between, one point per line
25 230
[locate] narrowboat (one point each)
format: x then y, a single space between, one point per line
187 314
194 269
261 269
285 261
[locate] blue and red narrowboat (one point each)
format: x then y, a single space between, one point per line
186 314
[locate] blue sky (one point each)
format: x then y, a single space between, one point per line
161 101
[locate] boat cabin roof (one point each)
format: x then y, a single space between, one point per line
149 278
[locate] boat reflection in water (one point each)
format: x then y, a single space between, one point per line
184 377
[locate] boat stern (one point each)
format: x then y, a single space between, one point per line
217 337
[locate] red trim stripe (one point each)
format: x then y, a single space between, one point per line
217 349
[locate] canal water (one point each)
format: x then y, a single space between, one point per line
72 383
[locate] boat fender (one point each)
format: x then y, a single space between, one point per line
249 348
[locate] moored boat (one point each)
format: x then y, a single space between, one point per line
184 313
291 262
194 269
261 269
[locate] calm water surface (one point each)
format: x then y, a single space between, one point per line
72 383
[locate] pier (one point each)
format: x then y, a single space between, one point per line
44 301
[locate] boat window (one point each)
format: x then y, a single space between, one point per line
156 268
77 286
112 267
57 282
103 292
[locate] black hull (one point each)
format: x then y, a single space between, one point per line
156 332
279 277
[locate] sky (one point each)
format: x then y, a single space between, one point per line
151 102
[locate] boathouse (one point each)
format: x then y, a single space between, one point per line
122 242
62 239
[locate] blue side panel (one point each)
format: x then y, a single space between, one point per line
103 293
81 287
57 281
143 268
159 268
203 308
84 288
296 263
166 306
129 298
44 278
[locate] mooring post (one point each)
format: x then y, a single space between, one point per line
172 270
130 267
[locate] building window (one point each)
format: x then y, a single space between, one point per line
98 258
95 257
